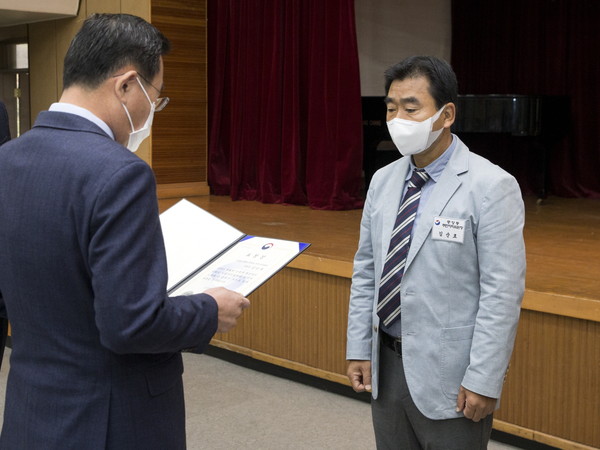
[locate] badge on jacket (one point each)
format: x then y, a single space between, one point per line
450 230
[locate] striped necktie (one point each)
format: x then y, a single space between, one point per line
388 306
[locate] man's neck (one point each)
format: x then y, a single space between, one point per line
83 98
436 150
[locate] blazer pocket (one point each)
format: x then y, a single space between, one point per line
455 350
164 376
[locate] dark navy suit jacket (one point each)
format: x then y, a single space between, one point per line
96 341
4 137
4 126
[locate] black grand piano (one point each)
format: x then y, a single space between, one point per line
539 119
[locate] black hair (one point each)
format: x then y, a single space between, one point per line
443 86
108 42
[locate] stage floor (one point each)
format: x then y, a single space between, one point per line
562 237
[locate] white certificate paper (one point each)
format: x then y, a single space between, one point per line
192 238
203 252
244 266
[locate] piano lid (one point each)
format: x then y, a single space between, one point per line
519 115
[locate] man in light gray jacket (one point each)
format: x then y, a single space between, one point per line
438 276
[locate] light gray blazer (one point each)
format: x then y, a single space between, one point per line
460 302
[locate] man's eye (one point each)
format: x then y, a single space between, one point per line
410 111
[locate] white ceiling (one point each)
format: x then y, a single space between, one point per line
29 11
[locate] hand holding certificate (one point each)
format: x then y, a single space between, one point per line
230 306
204 252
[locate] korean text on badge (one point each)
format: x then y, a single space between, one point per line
450 230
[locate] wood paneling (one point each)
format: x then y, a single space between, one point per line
179 146
44 61
298 316
177 190
553 385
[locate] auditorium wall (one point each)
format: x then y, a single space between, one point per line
391 30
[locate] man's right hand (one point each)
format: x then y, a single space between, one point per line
231 304
359 374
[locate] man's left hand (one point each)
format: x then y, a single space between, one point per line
474 406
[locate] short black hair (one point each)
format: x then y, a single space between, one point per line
443 86
107 42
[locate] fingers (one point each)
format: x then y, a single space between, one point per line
245 303
460 400
357 383
472 412
367 382
359 374
476 412
474 406
230 306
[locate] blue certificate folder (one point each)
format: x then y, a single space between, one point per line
203 251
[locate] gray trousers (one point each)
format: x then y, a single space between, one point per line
399 424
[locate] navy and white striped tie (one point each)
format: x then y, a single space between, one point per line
388 305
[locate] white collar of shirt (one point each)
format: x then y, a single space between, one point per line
435 169
82 112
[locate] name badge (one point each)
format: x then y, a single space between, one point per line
450 230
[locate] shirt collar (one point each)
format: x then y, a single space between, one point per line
82 112
435 169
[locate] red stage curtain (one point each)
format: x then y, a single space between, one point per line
537 47
284 102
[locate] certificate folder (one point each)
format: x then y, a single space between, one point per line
203 252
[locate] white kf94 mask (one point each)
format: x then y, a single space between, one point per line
413 137
136 137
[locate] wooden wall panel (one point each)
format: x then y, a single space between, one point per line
553 385
44 84
179 146
298 316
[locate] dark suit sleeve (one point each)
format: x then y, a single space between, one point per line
4 125
129 273
4 137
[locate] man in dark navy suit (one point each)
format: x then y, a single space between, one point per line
96 342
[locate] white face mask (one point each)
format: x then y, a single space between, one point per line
137 137
413 137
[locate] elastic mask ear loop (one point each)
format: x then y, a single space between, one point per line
436 116
144 90
128 117
125 108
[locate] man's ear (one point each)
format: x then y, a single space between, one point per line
123 83
449 114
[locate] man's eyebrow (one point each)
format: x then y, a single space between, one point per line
410 100
403 101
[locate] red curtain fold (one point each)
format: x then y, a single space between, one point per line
284 102
537 47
